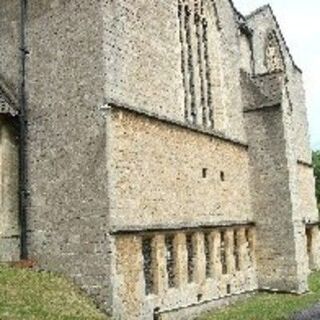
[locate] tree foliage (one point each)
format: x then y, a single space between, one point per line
316 164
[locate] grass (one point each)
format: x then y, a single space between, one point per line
26 295
265 306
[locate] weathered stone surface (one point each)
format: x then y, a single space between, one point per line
158 175
9 202
168 160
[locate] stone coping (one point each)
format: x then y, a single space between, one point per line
179 227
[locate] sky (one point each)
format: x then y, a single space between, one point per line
300 24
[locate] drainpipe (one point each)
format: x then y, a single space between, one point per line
23 178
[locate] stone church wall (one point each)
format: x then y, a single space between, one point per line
139 164
163 174
157 61
9 202
67 141
10 53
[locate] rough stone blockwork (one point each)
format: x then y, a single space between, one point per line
166 150
9 225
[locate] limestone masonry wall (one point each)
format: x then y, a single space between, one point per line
162 172
67 142
9 202
308 203
271 200
142 56
155 62
10 53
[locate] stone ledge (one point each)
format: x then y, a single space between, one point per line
115 230
264 108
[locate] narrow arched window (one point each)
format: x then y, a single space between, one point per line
273 55
196 69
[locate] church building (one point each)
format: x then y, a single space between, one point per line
155 152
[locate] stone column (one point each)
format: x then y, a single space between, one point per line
129 285
199 262
159 264
181 260
243 250
229 248
315 248
215 256
252 246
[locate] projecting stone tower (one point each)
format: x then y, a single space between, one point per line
282 181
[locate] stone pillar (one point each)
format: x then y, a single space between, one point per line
181 260
159 264
9 200
314 257
215 256
252 246
275 200
199 262
129 285
210 262
243 250
229 247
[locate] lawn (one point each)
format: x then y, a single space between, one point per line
264 306
26 295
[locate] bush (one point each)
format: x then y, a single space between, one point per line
316 164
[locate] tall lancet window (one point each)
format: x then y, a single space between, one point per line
195 63
273 56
